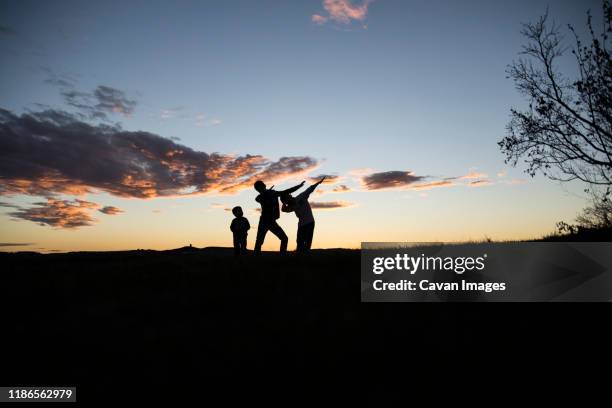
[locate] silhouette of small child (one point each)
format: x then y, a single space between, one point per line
239 226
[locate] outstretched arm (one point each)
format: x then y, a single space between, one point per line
312 188
292 189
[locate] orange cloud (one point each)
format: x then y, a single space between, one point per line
74 157
283 169
59 213
43 185
110 210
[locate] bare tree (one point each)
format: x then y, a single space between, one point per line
598 214
566 133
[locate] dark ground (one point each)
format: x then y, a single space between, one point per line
200 322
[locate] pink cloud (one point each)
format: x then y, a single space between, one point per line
433 184
341 189
408 180
473 175
318 19
342 11
330 205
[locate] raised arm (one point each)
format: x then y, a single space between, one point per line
312 188
292 189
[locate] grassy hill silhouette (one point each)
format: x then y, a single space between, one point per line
149 320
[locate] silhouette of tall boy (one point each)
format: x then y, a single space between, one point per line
270 212
240 227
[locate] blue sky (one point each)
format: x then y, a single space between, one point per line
415 86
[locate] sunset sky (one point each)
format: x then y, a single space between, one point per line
137 124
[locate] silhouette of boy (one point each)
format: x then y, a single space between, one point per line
306 222
268 199
239 226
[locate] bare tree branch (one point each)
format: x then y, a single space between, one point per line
566 133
